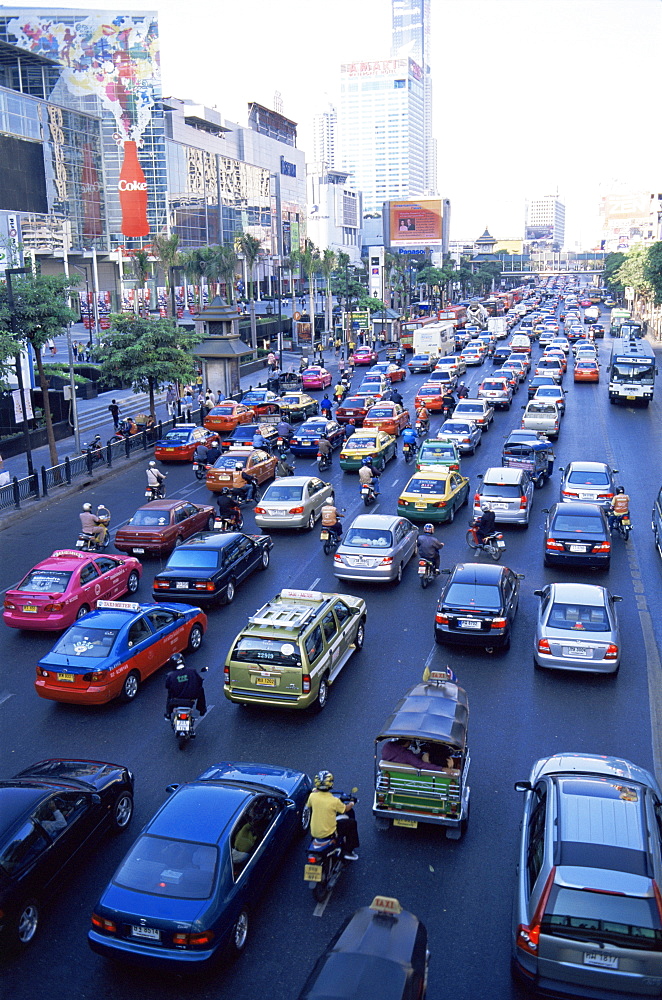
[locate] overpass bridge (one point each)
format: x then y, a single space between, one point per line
554 264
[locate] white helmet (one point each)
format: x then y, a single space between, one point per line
152 465
87 506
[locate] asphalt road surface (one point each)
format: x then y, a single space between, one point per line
462 890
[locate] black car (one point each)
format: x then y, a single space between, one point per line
48 813
537 381
381 943
210 565
242 435
477 606
500 355
577 534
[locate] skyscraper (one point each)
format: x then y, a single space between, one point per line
545 222
411 37
324 136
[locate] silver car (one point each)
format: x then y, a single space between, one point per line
292 502
465 433
592 482
498 391
376 547
509 492
586 915
481 411
577 628
553 392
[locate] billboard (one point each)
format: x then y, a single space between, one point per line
23 175
415 223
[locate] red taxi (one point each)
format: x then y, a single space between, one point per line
68 584
365 356
388 416
227 415
315 377
109 652
391 371
431 395
354 408
160 525
180 443
586 370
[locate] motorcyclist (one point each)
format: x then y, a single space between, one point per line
396 397
619 507
183 685
325 449
350 427
259 440
410 437
368 476
251 482
339 392
486 523
200 453
330 518
213 452
228 508
155 478
330 817
448 402
423 415
285 431
428 546
283 467
326 406
462 391
91 524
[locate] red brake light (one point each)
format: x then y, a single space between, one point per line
441 619
9 606
603 547
296 510
528 937
55 606
612 652
102 924
259 510
498 623
476 499
312 859
305 684
226 676
182 715
523 503
543 646
553 544
161 584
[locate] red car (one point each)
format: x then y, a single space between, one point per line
586 371
227 415
585 303
431 396
68 584
365 356
159 526
391 371
180 443
354 408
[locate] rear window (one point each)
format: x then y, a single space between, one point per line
177 437
578 524
45 581
229 461
255 649
623 921
288 493
193 559
494 386
361 444
381 411
368 538
82 640
474 596
426 486
579 617
179 869
433 453
421 357
354 402
222 411
506 491
588 478
150 519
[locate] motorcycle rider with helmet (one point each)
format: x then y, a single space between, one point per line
251 482
350 427
155 478
429 547
91 524
448 402
410 437
183 685
423 416
619 507
462 391
368 476
486 523
396 396
285 431
330 817
330 518
325 449
228 508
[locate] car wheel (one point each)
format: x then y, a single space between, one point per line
122 811
132 582
304 821
398 575
229 592
179 540
26 923
360 636
195 638
265 559
210 523
239 935
83 610
130 686
322 695
311 521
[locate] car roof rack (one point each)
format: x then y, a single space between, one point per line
286 613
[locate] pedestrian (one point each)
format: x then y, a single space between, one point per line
115 413
51 346
187 405
337 345
74 349
352 346
171 400
209 399
341 366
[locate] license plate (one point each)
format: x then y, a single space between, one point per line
139 551
181 725
170 449
324 535
586 496
577 651
597 958
266 682
278 511
181 585
411 823
469 623
577 548
151 933
80 543
66 677
30 609
312 873
501 544
499 506
420 506
627 397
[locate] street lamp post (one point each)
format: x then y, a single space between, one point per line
19 371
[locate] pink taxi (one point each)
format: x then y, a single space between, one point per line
315 377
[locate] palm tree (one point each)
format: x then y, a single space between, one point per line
165 250
225 267
250 247
142 269
327 267
309 259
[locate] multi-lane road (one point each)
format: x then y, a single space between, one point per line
462 890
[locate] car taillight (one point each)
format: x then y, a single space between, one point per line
386 561
498 623
543 646
568 493
204 585
455 467
226 676
259 510
603 547
197 940
527 937
94 677
296 510
605 496
441 619
101 924
305 684
9 606
553 544
54 606
337 559
161 584
612 652
523 503
466 440
476 499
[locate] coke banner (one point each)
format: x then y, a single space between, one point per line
133 193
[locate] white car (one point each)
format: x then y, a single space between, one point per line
542 415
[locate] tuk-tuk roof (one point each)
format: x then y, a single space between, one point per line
430 711
521 447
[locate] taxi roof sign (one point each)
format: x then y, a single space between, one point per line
386 905
118 605
73 553
308 595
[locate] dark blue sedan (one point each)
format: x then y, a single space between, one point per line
307 437
185 890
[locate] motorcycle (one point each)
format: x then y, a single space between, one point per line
156 492
324 860
409 452
183 720
426 572
623 525
368 494
88 543
494 545
235 523
422 428
323 462
94 450
200 469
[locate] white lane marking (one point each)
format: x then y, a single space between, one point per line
6 696
321 907
314 583
201 719
12 586
395 482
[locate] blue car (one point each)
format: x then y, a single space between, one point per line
184 892
307 437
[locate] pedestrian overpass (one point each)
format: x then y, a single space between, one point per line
554 264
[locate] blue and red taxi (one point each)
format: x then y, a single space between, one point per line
109 652
261 401
179 444
67 585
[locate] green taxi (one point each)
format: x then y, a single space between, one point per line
293 649
298 406
368 442
433 495
437 453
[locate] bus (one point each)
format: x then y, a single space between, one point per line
494 306
457 313
407 330
630 329
617 317
632 372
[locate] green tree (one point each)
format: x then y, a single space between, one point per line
309 259
613 262
197 265
142 269
165 250
327 267
250 246
632 271
41 306
147 353
225 267
653 271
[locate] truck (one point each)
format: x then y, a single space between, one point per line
477 314
437 339
497 326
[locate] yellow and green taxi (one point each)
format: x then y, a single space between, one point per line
367 443
437 453
298 406
433 495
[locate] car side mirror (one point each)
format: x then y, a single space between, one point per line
538 593
289 804
355 611
523 786
615 471
96 799
615 597
203 670
545 510
171 788
520 576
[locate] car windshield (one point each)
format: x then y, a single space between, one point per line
356 443
623 921
228 461
578 524
81 640
427 486
579 617
283 493
623 371
179 869
150 519
589 478
45 581
474 596
280 652
368 538
177 437
193 559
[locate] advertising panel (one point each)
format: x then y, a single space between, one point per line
415 223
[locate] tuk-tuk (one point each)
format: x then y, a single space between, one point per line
536 458
394 352
280 382
382 951
422 758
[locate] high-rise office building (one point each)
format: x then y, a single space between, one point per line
411 37
544 224
324 136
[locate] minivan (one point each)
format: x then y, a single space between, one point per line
509 493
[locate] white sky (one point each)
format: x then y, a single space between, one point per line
530 96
